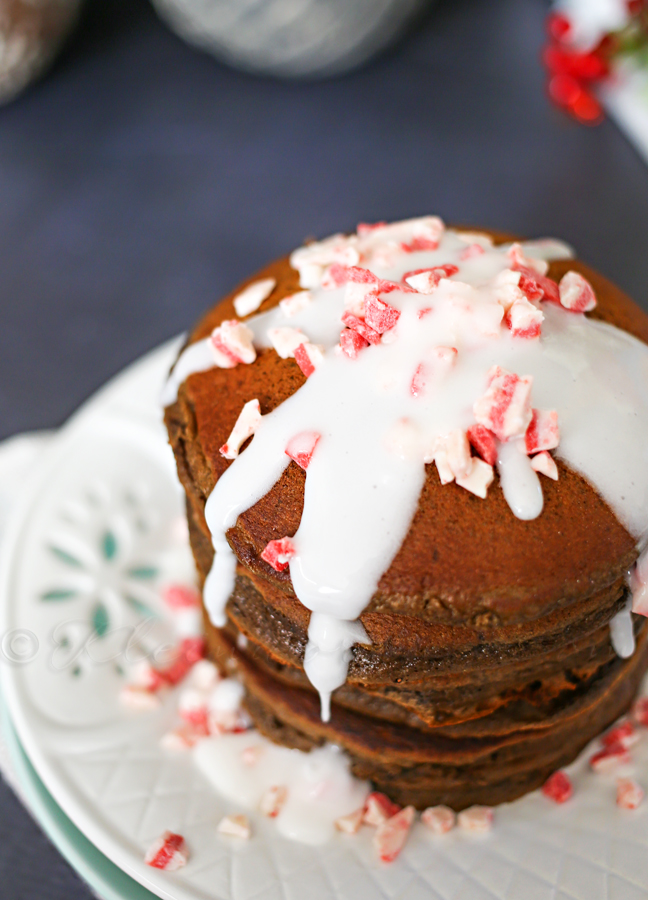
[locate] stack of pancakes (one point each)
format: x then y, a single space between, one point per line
490 664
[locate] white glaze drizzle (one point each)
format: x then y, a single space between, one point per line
320 786
360 495
622 632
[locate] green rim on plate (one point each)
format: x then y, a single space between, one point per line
104 877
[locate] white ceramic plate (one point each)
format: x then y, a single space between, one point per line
95 536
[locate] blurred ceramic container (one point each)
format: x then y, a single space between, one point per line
290 38
31 32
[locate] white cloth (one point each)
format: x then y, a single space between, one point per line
17 457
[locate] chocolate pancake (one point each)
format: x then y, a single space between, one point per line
490 663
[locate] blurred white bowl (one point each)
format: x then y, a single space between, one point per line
290 38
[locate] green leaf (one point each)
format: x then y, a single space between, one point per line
100 620
109 545
65 557
141 608
142 572
58 594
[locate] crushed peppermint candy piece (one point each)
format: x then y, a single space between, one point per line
309 357
169 852
391 835
186 655
505 408
576 293
446 475
611 756
300 448
179 596
630 794
535 282
245 426
484 442
558 787
251 298
426 281
251 755
544 464
137 697
232 344
350 824
286 340
204 676
378 808
235 826
142 675
295 303
419 380
478 819
183 738
279 553
192 707
543 432
313 259
530 287
380 315
640 711
458 453
439 819
471 252
351 343
478 480
523 319
624 733
516 254
273 800
357 325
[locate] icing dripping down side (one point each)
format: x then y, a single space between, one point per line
622 632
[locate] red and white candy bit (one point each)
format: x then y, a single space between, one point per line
301 447
273 800
192 707
351 343
286 340
169 852
544 464
251 297
204 676
523 319
179 596
137 697
350 824
189 651
558 787
309 357
630 795
484 443
478 819
391 835
235 826
607 759
640 711
458 453
439 819
142 675
294 304
419 380
378 808
534 283
478 480
576 293
446 475
338 275
426 281
516 254
471 252
183 738
232 344
247 423
624 733
251 755
279 553
357 325
543 432
505 408
379 315
530 287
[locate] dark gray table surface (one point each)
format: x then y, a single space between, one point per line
141 180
